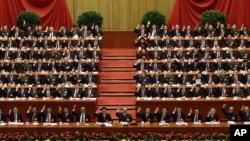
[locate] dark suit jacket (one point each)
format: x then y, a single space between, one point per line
229 116
86 91
78 116
124 118
3 118
244 116
65 118
33 117
11 116
192 116
100 117
44 115
175 116
159 117
215 118
149 118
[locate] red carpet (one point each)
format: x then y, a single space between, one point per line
117 86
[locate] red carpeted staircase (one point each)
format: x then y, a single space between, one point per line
116 83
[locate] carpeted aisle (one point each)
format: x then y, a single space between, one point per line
116 83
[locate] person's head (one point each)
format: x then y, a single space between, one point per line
212 111
196 111
51 28
124 109
15 110
231 109
104 110
49 109
142 26
147 110
65 109
165 27
82 109
153 26
164 110
246 109
179 109
34 110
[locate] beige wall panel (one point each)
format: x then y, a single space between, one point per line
151 4
119 14
123 20
134 17
114 14
103 10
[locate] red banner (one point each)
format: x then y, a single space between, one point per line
52 12
189 11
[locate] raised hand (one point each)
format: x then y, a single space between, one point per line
157 109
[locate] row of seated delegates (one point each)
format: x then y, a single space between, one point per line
48 116
197 90
220 30
102 116
74 53
177 115
194 115
51 65
192 42
208 31
182 54
190 78
60 91
49 32
10 79
174 64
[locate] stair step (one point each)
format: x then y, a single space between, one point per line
117 63
128 69
116 75
121 81
119 51
119 58
116 94
116 101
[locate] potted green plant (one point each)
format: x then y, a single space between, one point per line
155 17
212 17
89 18
27 18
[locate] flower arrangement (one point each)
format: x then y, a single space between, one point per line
78 136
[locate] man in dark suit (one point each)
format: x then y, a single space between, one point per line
65 116
2 116
96 31
212 116
90 79
182 91
230 115
196 116
15 116
123 115
142 92
89 92
33 115
103 116
147 116
162 116
47 115
244 113
178 115
81 116
140 30
156 91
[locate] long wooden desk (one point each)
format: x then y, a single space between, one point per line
222 127
23 105
186 103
